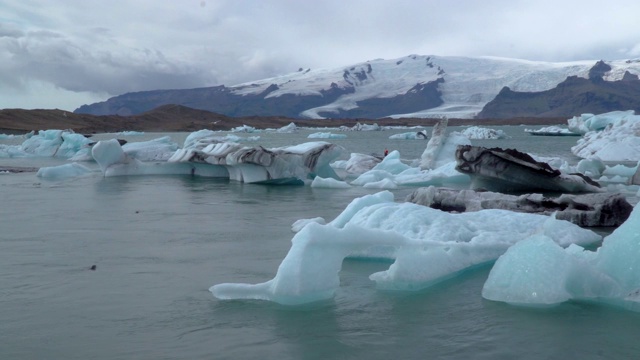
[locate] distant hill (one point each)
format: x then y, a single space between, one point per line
178 118
414 86
573 96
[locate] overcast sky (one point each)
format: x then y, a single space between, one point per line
65 53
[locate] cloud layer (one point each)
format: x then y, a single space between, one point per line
69 52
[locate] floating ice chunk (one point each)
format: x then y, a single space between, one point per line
287 165
382 184
413 135
288 129
159 149
589 122
326 135
245 129
617 141
319 182
441 148
552 131
591 167
130 133
357 163
535 269
608 275
477 132
392 163
428 246
58 143
299 224
61 172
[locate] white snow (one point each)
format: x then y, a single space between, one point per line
469 82
427 246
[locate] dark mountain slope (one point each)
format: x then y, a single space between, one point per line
572 97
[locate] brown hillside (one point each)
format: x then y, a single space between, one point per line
175 118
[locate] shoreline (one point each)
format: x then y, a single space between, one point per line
183 119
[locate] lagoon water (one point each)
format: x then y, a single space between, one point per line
160 242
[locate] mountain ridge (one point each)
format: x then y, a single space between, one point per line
411 86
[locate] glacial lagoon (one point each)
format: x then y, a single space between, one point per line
159 243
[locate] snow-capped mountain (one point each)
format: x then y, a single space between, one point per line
412 86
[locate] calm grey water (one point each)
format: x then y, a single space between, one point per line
160 242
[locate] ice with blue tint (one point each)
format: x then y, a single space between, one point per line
611 136
539 272
329 183
63 172
54 143
160 149
392 171
208 157
413 135
245 129
426 246
357 164
288 129
585 123
326 135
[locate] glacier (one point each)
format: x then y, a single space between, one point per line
426 246
466 84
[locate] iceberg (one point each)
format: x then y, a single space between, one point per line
509 170
326 135
426 246
206 157
55 143
320 182
591 210
589 122
288 129
477 132
551 131
619 141
62 172
357 163
413 135
538 272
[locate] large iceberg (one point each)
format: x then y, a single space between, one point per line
618 141
204 156
509 170
538 272
426 246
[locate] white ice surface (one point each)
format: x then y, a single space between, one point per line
538 272
427 246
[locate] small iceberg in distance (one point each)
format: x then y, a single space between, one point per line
551 131
326 135
412 135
